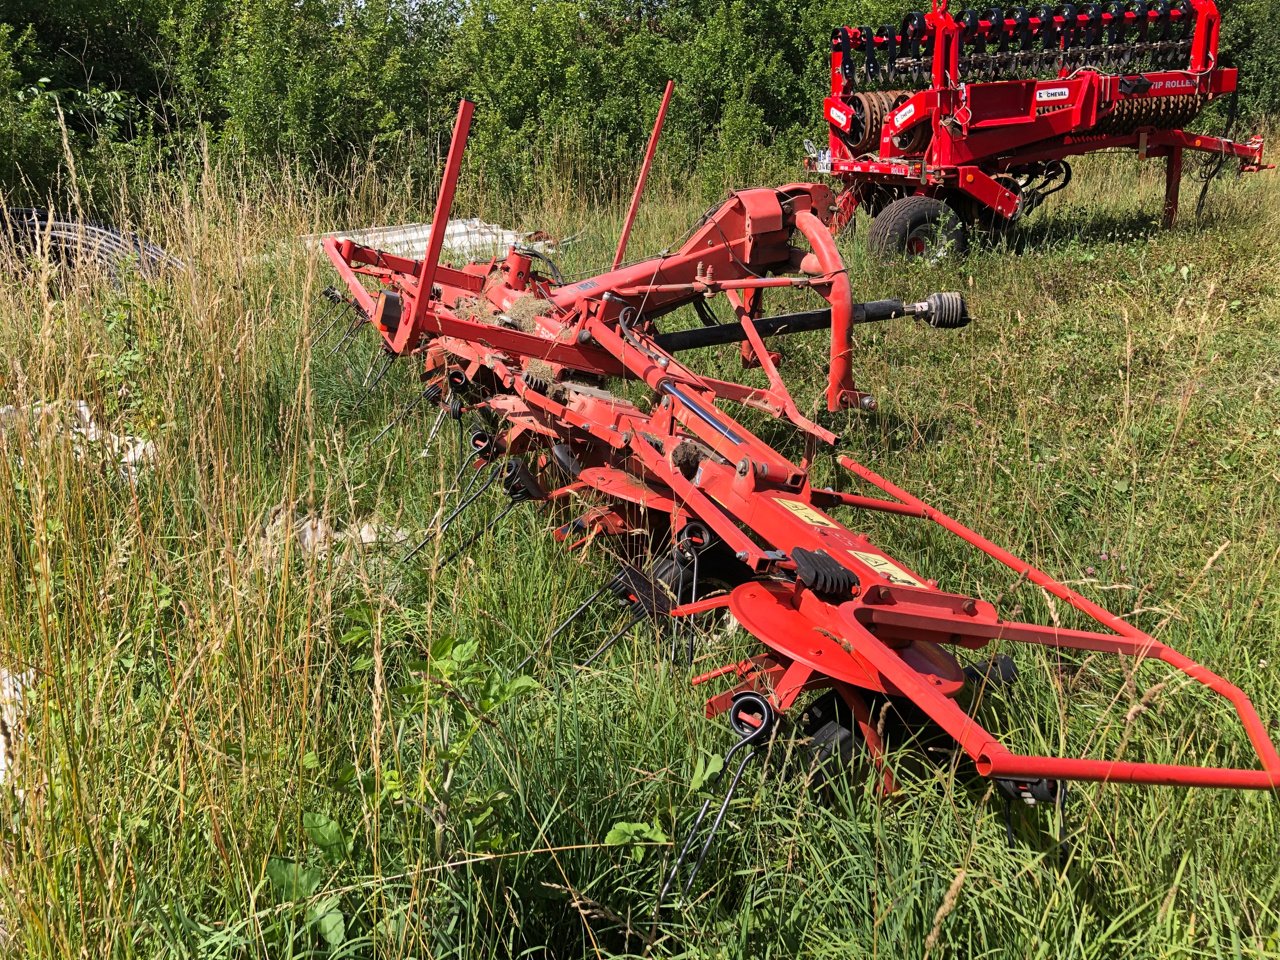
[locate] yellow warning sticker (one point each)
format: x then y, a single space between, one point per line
887 568
806 513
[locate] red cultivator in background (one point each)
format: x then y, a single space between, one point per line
737 524
950 120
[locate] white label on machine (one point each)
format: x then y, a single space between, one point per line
839 116
905 114
1050 94
887 568
805 512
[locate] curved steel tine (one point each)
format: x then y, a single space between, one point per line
457 477
330 320
715 824
702 815
448 520
409 408
476 536
608 644
371 384
749 735
565 624
435 428
355 325
493 475
581 609
475 476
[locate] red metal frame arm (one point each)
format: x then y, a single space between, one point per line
407 337
644 175
1002 763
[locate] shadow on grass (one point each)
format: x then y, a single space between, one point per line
1070 226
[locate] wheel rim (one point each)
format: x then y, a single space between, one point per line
929 242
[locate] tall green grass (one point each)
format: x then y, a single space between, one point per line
234 747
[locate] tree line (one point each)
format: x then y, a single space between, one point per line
116 86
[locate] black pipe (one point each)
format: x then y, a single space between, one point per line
782 324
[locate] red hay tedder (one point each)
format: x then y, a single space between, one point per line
733 524
952 120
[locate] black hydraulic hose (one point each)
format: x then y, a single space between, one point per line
1215 166
534 254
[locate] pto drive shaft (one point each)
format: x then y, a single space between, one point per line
946 311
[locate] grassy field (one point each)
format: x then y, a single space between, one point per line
234 744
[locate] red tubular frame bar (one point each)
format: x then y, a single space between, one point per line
993 759
644 175
408 334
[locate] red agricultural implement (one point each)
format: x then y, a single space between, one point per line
950 121
733 524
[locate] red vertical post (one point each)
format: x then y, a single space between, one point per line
1204 39
439 223
840 389
644 175
1172 185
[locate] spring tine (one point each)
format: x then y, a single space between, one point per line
368 390
359 322
608 644
750 735
435 428
715 824
366 381
581 609
483 447
684 851
476 536
493 475
472 482
696 826
445 526
330 319
369 370
457 477
409 408
417 547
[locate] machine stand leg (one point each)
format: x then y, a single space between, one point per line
1172 184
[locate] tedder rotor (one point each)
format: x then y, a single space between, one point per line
833 612
954 119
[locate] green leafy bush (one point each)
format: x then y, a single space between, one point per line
564 87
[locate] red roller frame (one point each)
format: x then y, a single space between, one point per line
983 130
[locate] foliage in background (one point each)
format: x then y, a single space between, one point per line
1251 41
569 86
29 140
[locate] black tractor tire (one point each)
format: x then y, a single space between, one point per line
918 227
